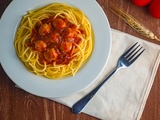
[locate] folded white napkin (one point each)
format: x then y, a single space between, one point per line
123 97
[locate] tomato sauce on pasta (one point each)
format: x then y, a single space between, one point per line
54 39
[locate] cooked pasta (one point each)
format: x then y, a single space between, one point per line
54 41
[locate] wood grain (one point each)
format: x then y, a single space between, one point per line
16 104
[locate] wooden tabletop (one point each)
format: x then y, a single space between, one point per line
16 104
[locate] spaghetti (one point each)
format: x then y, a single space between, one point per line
54 41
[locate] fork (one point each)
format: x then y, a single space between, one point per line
124 61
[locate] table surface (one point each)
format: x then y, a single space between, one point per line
16 104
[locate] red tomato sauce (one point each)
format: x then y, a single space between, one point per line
54 38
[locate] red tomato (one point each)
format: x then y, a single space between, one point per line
141 2
154 8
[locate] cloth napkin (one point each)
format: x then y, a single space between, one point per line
124 95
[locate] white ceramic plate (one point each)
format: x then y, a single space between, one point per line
39 85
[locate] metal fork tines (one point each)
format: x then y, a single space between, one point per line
131 55
124 61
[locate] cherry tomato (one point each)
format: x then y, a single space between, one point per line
154 8
141 2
